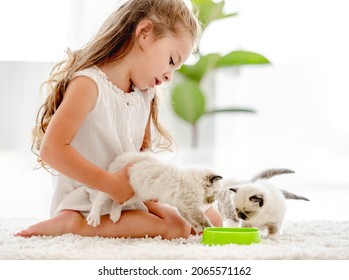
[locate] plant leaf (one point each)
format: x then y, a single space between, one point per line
201 67
236 58
188 101
230 110
214 60
210 11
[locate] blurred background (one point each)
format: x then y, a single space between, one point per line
300 98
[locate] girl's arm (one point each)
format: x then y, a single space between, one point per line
56 150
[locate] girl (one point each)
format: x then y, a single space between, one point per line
102 103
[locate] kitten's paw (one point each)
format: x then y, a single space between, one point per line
273 237
199 231
115 215
198 228
206 224
93 220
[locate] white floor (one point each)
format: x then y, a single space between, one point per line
25 192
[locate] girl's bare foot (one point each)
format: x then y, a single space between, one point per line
66 221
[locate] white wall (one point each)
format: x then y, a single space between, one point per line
301 98
20 99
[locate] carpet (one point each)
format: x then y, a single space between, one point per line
315 240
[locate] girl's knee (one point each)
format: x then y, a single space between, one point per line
176 227
180 229
73 221
214 216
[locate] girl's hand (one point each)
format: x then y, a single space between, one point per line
122 190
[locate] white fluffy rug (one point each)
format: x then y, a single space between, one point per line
301 240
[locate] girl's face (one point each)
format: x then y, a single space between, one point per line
156 60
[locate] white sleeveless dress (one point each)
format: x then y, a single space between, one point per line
115 125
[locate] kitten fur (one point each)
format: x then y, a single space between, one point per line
256 203
186 188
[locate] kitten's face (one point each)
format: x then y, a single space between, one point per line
248 201
208 182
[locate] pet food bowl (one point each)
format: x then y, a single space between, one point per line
225 235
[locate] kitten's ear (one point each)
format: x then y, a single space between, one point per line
213 178
234 189
257 198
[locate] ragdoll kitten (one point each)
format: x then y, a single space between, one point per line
256 203
185 188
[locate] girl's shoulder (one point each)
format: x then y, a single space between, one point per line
82 92
91 73
104 87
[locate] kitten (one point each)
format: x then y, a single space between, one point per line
185 188
256 203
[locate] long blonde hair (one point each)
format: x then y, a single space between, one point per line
112 42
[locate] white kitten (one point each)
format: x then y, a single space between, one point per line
185 188
256 203
261 205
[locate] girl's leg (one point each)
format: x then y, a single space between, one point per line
161 220
214 216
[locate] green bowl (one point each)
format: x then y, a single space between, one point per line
225 235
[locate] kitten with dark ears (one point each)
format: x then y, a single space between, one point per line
187 188
256 203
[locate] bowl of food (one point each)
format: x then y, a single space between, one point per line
226 235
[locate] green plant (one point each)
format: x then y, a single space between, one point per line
188 97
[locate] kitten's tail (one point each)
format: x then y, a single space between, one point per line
266 174
289 195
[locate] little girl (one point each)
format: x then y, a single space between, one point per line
101 103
